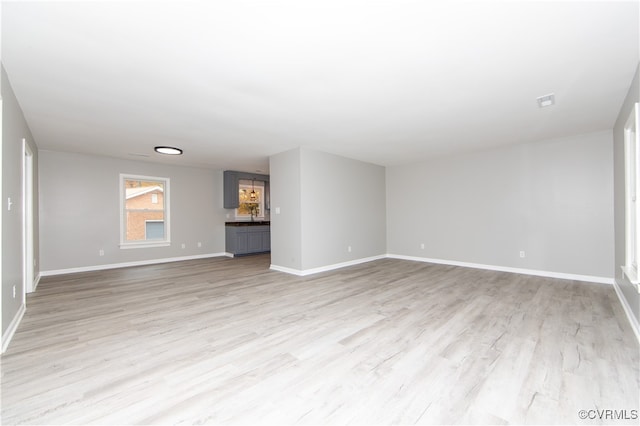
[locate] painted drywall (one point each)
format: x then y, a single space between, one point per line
629 291
284 170
321 204
551 199
14 129
79 211
343 205
2 323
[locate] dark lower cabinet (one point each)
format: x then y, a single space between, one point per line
248 239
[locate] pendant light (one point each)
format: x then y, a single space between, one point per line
252 195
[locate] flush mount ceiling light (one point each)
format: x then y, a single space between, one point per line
546 100
168 150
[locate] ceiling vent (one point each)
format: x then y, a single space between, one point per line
546 100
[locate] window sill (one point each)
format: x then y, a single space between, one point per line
146 244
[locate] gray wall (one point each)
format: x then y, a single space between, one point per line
343 204
327 203
284 170
628 290
552 199
79 210
14 129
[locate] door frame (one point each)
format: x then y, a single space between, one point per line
27 228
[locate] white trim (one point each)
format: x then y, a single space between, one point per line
36 282
27 219
304 272
539 273
627 310
631 273
146 244
226 253
8 335
127 264
632 190
286 270
536 272
632 276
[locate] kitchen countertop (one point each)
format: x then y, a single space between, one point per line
247 223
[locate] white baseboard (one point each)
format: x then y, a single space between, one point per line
627 310
286 270
127 264
15 322
304 272
36 282
536 272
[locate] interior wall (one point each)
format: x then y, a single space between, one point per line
2 323
628 290
80 210
551 199
284 180
14 129
343 205
326 203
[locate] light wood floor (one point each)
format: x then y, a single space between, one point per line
387 342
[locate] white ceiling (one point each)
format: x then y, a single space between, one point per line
388 82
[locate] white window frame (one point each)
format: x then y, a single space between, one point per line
632 203
124 244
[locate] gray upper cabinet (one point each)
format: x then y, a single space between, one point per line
231 187
231 198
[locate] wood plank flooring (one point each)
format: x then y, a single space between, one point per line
387 342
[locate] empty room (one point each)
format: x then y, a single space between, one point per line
320 212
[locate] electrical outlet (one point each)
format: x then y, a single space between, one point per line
349 249
199 244
14 291
522 253
422 246
9 203
101 252
183 245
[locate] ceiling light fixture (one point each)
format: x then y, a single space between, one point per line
167 150
546 100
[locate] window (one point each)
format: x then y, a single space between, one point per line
251 199
144 211
632 181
